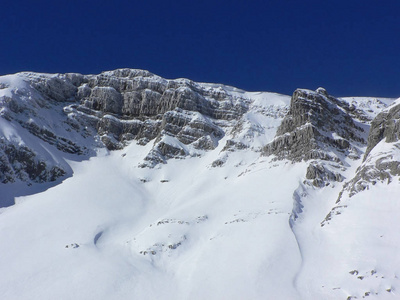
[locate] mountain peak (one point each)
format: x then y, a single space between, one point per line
159 180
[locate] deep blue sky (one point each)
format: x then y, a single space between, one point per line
349 47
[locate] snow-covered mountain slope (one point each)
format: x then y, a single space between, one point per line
127 185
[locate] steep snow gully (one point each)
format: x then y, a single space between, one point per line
127 185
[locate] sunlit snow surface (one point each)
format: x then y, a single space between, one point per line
219 233
185 230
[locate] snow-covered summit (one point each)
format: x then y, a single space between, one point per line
125 184
78 113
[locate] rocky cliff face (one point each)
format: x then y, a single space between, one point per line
199 170
179 115
321 129
22 163
76 113
315 124
381 162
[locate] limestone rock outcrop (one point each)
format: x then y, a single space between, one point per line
138 105
21 163
315 124
75 113
381 162
318 128
386 125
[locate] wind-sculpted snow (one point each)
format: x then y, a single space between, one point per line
128 185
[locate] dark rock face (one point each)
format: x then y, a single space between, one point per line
60 88
320 175
181 117
382 164
50 137
138 93
21 163
105 99
320 129
232 145
134 104
381 170
385 125
315 123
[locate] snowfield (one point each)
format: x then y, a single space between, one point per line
249 228
189 232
